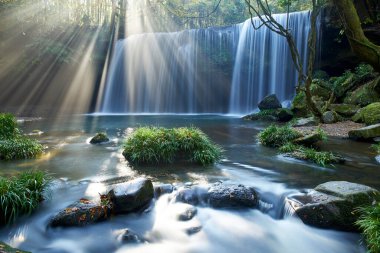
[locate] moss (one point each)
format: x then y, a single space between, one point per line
369 115
376 147
155 145
99 138
21 195
299 105
320 88
274 136
5 248
343 83
280 114
369 223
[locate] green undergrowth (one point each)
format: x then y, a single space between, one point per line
21 195
285 138
376 147
369 223
14 145
157 145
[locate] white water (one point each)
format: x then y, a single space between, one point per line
214 70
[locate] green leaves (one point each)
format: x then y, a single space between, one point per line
274 136
369 223
154 145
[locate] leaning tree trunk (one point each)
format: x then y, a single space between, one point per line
361 46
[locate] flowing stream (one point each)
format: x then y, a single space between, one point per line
81 169
213 70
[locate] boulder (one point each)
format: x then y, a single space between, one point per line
343 84
163 189
131 196
329 117
369 115
308 139
365 133
299 106
232 196
81 213
99 138
5 248
284 115
333 204
345 110
311 121
269 102
320 88
192 195
280 114
365 94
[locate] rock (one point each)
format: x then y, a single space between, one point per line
377 158
365 94
333 204
320 88
129 236
284 115
343 84
5 248
329 117
345 110
99 138
269 102
81 213
369 115
193 230
311 121
376 139
162 189
280 114
299 106
232 196
131 196
185 212
194 195
365 133
309 139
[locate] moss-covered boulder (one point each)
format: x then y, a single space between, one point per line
333 205
280 115
369 115
299 105
269 102
365 94
99 138
343 83
365 133
5 248
345 110
321 89
329 117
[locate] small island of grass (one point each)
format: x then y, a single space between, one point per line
157 145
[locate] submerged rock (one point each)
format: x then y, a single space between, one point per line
192 195
365 133
333 204
163 189
185 212
99 138
81 213
231 196
5 248
131 196
130 237
269 102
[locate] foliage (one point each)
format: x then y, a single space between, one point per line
21 195
305 153
363 71
369 223
154 145
13 145
376 147
274 136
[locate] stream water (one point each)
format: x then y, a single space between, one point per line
80 169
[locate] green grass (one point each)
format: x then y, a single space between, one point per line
275 136
156 145
376 147
369 223
14 145
21 195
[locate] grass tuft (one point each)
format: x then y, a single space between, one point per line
155 145
274 136
369 223
21 195
376 147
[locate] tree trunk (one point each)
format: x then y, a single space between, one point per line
360 45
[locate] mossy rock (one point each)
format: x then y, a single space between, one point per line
269 102
345 110
369 115
343 84
5 248
365 133
320 88
365 94
99 138
330 117
299 105
281 115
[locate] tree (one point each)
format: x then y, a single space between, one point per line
360 44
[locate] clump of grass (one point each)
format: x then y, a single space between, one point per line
275 136
369 223
306 153
21 195
376 147
155 145
14 145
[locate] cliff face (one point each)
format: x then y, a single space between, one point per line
335 52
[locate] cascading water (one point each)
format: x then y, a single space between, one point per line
214 70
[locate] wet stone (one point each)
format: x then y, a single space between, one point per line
130 237
163 189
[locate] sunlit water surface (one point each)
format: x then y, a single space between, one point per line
81 169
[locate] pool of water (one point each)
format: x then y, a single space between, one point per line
80 169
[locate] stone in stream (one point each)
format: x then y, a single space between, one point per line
130 237
99 138
365 133
269 102
131 196
194 195
308 139
333 204
81 213
185 212
231 196
163 189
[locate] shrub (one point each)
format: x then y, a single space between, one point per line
13 145
274 136
21 195
376 147
363 71
154 145
369 223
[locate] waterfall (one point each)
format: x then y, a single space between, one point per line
213 70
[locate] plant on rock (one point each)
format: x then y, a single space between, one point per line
14 145
21 195
369 223
155 145
274 136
